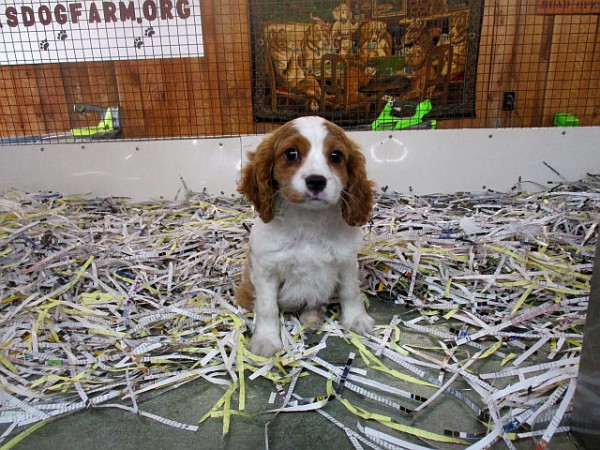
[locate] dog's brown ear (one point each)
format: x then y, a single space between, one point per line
357 201
257 183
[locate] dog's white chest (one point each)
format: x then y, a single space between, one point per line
309 276
306 261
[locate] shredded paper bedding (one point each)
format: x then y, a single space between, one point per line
104 301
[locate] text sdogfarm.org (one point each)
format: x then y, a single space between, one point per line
96 12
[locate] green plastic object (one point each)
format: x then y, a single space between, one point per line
109 125
387 120
562 119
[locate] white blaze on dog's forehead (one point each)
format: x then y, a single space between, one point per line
313 129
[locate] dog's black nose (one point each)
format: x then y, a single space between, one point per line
316 183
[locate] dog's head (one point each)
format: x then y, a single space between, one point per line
312 163
319 34
342 13
414 32
373 31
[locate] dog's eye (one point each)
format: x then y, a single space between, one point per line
336 157
292 155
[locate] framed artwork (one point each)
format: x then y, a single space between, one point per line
345 60
388 8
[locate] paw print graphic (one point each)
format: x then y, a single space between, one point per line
62 35
44 45
149 32
138 42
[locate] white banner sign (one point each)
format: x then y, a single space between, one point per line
36 32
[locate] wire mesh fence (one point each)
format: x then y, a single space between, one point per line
147 69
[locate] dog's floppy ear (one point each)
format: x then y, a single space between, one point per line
257 183
357 201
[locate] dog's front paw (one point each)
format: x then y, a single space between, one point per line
263 345
361 323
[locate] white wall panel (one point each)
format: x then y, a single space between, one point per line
425 161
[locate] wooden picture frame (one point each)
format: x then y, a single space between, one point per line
388 8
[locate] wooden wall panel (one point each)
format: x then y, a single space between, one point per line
233 55
537 60
593 103
77 87
506 16
570 72
484 73
52 98
9 122
208 105
26 104
551 62
528 79
205 109
131 100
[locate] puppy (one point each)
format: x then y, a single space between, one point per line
375 40
308 184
